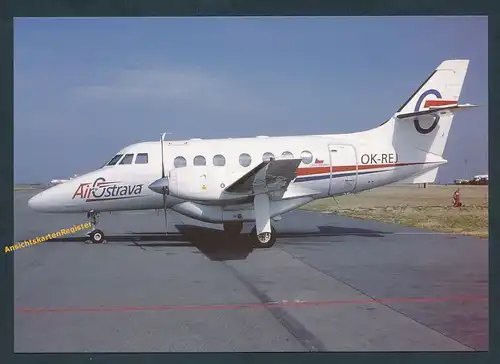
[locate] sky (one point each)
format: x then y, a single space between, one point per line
86 88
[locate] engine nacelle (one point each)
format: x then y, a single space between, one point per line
199 183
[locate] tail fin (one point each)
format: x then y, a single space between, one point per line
420 128
445 84
424 120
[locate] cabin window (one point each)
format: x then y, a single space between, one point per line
142 158
287 155
245 159
219 160
114 160
127 159
306 156
180 162
199 160
267 156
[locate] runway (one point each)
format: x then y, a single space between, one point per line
329 284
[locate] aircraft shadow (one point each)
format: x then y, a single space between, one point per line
326 230
215 244
212 243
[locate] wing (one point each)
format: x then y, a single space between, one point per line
269 176
435 111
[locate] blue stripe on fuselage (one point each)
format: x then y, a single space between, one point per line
327 176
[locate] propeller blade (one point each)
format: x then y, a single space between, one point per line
162 164
161 185
165 212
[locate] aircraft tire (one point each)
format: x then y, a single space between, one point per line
260 244
97 237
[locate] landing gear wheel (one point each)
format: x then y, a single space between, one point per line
233 228
97 237
264 240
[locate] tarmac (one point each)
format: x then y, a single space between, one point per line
329 284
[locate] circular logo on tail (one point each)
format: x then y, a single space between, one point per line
416 122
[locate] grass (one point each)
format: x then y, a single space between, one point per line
429 208
20 188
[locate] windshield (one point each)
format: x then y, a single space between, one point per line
113 160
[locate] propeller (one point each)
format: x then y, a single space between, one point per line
161 184
165 188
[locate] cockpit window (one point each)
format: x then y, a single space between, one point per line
113 160
127 159
142 158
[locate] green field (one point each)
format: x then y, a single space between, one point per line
429 208
20 188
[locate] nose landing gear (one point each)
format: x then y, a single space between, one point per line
96 236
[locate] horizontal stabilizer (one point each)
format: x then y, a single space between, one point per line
426 177
435 111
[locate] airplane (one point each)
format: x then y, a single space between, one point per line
59 181
259 179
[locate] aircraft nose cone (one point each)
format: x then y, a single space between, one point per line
37 202
159 185
49 200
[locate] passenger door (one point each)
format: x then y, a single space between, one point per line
343 168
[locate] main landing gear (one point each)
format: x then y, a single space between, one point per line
96 236
263 240
263 234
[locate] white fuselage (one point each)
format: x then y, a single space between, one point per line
331 165
224 180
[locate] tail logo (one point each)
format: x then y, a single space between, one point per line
416 122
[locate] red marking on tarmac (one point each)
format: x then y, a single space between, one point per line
253 305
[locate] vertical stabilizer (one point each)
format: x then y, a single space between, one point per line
442 88
422 124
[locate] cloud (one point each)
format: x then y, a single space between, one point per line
191 88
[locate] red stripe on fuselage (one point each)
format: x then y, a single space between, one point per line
306 171
434 103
